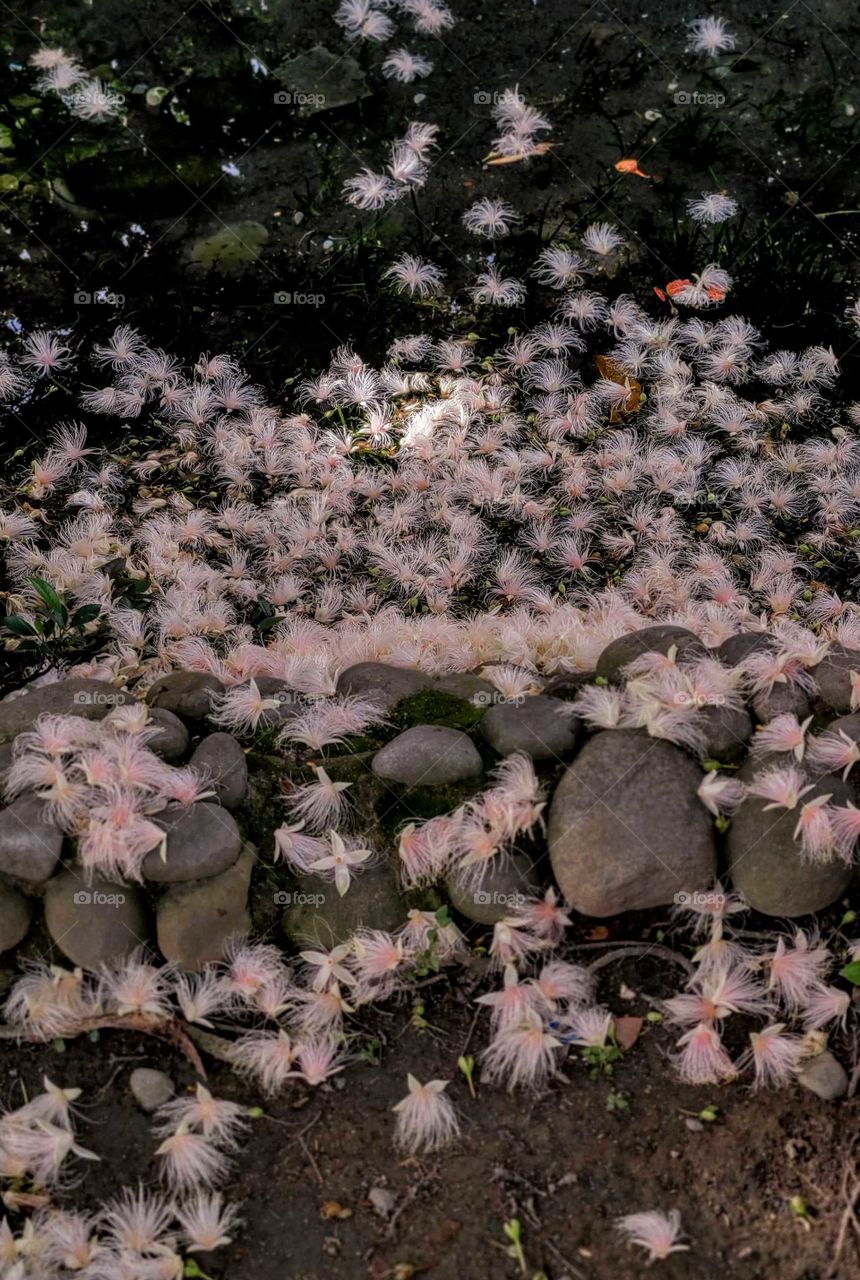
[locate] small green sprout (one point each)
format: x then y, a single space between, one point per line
514 1233
467 1066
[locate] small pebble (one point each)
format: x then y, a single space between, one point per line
151 1088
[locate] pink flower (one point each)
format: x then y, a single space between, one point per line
794 971
206 1222
426 1119
319 1058
660 1233
322 803
267 1057
415 277
775 1054
823 1005
835 751
491 218
190 1161
370 191
216 1118
784 733
339 863
702 1058
783 786
721 795
523 1053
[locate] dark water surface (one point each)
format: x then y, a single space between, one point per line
209 203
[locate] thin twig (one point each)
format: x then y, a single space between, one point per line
644 949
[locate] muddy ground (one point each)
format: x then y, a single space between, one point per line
566 1163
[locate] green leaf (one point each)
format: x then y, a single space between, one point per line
51 600
851 973
18 626
86 613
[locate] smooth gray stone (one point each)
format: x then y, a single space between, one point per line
30 843
202 840
428 755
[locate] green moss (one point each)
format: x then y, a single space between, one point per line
418 805
433 706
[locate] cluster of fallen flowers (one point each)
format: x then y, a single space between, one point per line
103 784
407 169
84 95
451 517
538 1016
783 980
139 1233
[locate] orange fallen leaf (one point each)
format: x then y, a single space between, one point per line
333 1209
612 371
627 1030
629 165
540 149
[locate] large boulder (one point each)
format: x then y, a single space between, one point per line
626 827
188 694
780 700
764 858
30 843
542 727
91 699
660 639
15 911
202 840
727 732
504 887
383 684
95 921
739 647
220 759
428 755
195 921
464 684
316 915
172 740
833 677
